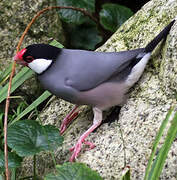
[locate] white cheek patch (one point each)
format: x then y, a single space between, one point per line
137 70
39 65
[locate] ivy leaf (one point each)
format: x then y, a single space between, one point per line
14 161
112 16
28 137
73 171
84 37
73 16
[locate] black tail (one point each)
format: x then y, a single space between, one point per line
162 35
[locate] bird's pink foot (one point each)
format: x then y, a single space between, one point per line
96 122
72 115
77 148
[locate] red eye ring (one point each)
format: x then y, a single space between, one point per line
29 59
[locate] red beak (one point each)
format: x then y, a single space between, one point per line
19 57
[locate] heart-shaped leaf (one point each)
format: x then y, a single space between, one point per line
73 171
84 37
112 16
14 161
73 16
28 137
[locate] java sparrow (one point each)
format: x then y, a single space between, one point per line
98 79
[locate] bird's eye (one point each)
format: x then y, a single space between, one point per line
29 59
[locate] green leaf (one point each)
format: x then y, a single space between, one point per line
156 143
5 74
56 44
112 16
73 171
28 137
14 161
32 106
84 37
162 155
18 80
73 16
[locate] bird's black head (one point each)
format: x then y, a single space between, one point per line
44 51
37 56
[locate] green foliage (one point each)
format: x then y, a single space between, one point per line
4 75
154 168
17 112
17 81
159 162
86 35
56 44
156 142
28 137
1 120
73 171
14 161
75 17
12 116
126 176
32 106
112 16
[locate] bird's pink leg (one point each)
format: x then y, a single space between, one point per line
96 122
68 119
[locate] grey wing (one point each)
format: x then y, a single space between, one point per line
84 70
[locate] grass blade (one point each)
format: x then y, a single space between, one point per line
126 176
5 74
56 44
32 106
18 80
156 142
162 155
